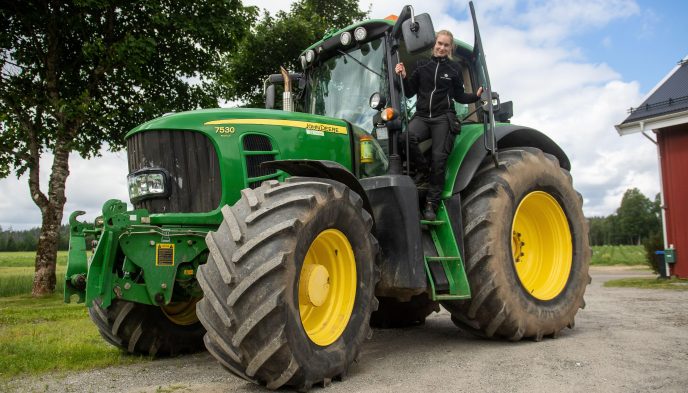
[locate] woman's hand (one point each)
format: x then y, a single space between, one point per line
400 70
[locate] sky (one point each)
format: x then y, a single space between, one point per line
572 69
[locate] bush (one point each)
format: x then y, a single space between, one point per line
655 242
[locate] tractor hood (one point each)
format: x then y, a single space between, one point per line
207 156
210 120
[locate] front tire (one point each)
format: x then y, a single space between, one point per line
149 330
526 248
289 283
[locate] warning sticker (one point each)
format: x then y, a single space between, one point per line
164 255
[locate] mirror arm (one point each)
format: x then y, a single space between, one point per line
414 24
406 13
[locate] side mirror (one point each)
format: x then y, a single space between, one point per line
270 97
419 34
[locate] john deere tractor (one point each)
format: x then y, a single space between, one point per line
274 237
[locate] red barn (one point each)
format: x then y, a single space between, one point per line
665 113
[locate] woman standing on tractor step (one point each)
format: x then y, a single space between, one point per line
436 82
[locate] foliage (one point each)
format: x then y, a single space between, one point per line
636 219
652 244
39 335
84 73
27 240
649 283
76 75
618 255
636 216
278 40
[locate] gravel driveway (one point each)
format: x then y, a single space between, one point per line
626 340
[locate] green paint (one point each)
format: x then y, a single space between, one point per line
125 233
470 134
129 241
448 256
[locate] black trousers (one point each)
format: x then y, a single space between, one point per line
421 129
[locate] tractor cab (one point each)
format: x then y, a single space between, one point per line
349 75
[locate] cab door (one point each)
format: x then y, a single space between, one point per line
480 65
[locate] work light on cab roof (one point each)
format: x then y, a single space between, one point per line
345 38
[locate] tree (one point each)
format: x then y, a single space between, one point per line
636 218
278 40
78 74
600 231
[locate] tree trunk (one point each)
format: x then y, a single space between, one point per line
44 279
52 208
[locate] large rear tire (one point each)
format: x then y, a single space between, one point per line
149 330
289 283
526 248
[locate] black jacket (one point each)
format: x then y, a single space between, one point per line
436 81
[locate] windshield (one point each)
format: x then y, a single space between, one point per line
342 85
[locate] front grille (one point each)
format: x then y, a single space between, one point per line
190 159
253 142
258 149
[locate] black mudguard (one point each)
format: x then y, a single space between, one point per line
394 199
507 136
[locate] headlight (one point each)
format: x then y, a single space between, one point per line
345 38
377 101
148 183
310 55
360 33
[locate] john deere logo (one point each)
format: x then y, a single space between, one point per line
321 127
317 127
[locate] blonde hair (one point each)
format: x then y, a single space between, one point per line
451 39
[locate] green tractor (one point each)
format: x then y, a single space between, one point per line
274 238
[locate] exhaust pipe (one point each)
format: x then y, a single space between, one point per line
287 103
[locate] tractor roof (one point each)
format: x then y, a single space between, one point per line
375 27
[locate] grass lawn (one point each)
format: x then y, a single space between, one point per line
17 268
618 255
649 283
39 335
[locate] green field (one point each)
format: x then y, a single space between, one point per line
40 335
45 334
17 268
618 255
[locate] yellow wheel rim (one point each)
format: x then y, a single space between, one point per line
541 245
327 287
181 313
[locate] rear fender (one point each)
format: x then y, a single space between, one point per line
507 136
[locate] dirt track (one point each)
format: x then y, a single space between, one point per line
626 340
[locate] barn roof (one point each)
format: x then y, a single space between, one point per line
665 106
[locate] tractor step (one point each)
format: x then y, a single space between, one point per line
435 223
445 271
